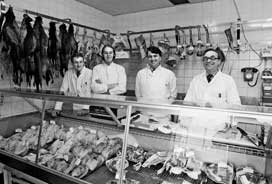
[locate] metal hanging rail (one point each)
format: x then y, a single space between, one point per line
67 20
158 30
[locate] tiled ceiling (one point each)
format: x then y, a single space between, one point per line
120 7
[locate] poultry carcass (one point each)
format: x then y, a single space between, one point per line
112 148
95 161
53 48
64 52
44 69
73 42
56 146
105 40
5 64
68 47
93 56
80 171
49 133
11 37
30 45
61 165
88 54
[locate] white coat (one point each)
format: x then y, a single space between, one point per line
221 90
159 84
76 86
109 74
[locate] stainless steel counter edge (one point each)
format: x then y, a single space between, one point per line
123 101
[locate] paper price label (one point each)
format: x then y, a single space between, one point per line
18 130
78 161
222 164
92 131
66 158
52 122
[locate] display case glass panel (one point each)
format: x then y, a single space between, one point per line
127 140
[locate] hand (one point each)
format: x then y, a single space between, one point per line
82 112
110 86
98 81
55 113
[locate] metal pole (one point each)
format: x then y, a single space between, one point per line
68 21
125 140
40 131
159 30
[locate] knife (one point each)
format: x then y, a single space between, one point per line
247 136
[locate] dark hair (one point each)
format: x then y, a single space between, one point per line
105 46
155 50
220 53
76 55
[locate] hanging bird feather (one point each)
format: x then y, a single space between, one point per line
4 64
44 68
72 40
64 49
53 48
30 45
11 37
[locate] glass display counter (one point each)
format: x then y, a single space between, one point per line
144 142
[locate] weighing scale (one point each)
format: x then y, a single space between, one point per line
267 87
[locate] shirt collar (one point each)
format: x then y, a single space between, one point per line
157 69
204 75
218 72
106 65
81 72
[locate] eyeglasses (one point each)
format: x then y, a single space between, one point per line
212 58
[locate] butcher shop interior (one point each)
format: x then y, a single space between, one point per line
136 92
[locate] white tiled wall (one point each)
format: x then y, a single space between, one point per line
213 12
209 13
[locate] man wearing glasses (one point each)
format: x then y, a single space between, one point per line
213 88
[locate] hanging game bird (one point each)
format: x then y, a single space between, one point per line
53 47
30 46
43 68
11 36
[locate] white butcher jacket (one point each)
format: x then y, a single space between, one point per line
76 86
109 74
221 90
159 84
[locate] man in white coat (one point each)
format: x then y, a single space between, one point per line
109 77
213 88
155 82
76 82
